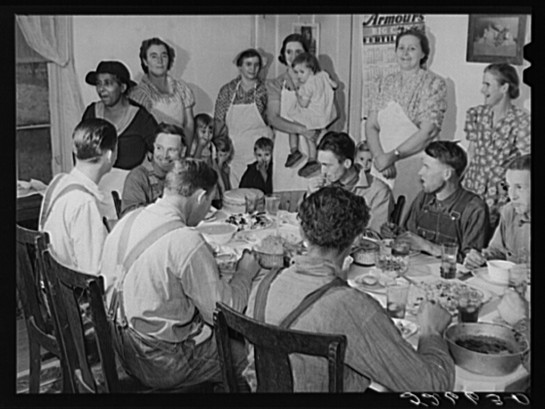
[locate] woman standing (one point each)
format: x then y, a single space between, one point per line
405 115
240 112
282 99
134 125
496 131
169 100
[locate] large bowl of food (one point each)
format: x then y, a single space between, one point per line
365 252
270 252
486 348
219 233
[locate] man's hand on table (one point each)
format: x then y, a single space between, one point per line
416 242
248 264
474 259
390 230
432 318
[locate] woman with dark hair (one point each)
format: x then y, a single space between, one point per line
405 114
168 99
496 131
240 112
134 125
283 99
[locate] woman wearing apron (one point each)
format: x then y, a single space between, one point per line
169 100
240 112
281 98
406 114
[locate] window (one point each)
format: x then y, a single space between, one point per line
33 136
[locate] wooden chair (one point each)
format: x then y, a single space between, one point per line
117 202
67 287
272 346
395 216
35 302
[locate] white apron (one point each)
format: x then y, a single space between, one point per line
396 128
245 126
287 179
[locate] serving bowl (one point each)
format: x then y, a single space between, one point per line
219 233
501 347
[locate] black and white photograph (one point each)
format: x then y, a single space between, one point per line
226 205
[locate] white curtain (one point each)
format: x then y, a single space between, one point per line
51 37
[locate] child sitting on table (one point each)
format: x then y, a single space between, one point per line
258 175
224 154
378 195
202 147
314 109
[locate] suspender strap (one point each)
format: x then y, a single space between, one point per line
263 293
309 300
145 243
48 203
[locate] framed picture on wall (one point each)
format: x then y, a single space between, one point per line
312 34
496 38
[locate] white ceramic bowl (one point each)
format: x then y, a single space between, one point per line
219 233
498 270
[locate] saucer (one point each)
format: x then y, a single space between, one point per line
482 273
360 285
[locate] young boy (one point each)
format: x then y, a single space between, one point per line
224 154
378 195
202 141
259 174
511 239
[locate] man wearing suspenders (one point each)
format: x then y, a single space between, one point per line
162 284
73 206
312 295
444 211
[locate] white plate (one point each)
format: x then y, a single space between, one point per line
359 285
406 327
482 273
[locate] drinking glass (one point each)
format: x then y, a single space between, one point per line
396 299
250 204
449 253
272 203
469 305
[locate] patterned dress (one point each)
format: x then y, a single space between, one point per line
493 145
422 97
225 98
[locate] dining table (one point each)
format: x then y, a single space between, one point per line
421 268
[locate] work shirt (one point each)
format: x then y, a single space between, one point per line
375 350
171 279
75 226
511 239
143 185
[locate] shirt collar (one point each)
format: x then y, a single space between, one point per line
168 209
315 266
91 186
352 179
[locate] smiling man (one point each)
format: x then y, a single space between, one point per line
511 240
444 211
144 184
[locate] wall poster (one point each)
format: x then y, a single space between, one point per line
378 36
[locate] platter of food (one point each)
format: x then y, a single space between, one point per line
447 293
250 221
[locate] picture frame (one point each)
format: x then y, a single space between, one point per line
496 38
312 33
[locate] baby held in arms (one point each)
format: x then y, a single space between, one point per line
314 109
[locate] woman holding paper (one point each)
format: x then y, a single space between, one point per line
405 115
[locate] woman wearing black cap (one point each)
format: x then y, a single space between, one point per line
134 124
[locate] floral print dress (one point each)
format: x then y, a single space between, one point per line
493 146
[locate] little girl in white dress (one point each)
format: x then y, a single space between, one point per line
314 109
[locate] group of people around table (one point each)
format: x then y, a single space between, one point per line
166 272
